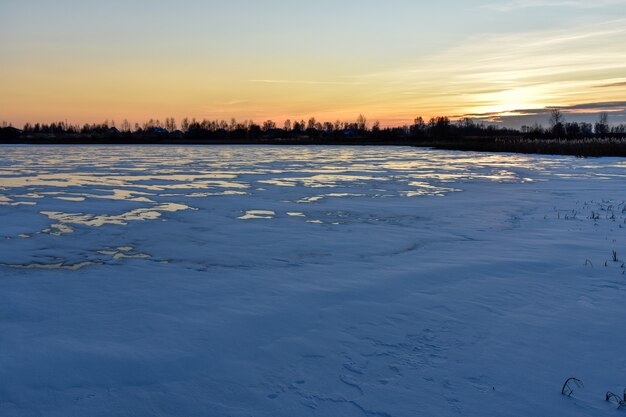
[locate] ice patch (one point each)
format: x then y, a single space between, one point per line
295 214
6 201
58 229
257 214
68 267
76 199
317 198
94 220
124 252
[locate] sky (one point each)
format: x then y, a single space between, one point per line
504 61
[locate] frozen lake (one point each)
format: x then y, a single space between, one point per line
301 281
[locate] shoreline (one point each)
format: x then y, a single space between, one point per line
577 147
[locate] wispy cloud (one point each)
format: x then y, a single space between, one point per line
586 112
306 82
612 85
611 106
526 4
496 73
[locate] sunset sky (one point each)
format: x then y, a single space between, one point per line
87 61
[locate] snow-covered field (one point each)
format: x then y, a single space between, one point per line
309 281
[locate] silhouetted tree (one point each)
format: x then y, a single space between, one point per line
268 125
556 117
361 123
170 124
572 130
557 123
440 131
619 129
602 126
439 127
184 124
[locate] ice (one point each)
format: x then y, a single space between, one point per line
257 214
302 281
150 213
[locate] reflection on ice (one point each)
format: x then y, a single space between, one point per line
124 252
320 181
116 254
95 220
58 229
257 214
83 188
76 199
424 189
69 267
203 195
295 214
316 198
7 201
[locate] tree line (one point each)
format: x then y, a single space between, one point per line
436 128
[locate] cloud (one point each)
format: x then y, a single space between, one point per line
620 84
526 4
309 82
584 112
606 106
612 106
500 73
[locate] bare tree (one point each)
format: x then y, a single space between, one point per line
557 122
185 124
268 125
361 123
604 118
170 124
602 127
466 123
556 117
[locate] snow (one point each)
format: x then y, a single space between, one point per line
309 281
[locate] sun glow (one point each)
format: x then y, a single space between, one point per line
509 102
